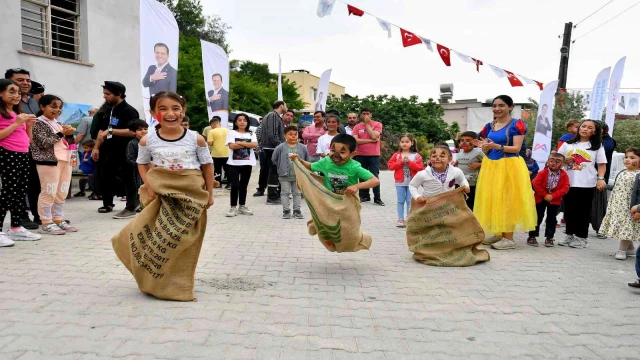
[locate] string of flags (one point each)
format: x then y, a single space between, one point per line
410 39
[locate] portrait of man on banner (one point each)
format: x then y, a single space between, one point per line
319 103
218 98
543 125
161 76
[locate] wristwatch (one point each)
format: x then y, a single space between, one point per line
601 178
502 148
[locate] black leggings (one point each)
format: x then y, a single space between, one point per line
577 211
239 177
220 164
14 169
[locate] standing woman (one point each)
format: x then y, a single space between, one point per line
241 161
504 198
582 153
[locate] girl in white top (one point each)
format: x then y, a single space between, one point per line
582 153
324 142
438 177
241 161
171 146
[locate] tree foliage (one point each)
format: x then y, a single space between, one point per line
399 116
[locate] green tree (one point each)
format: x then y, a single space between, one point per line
400 115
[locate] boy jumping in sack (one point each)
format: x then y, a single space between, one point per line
341 173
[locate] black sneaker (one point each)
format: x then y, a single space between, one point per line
549 242
286 214
364 199
378 202
274 202
635 285
531 241
297 214
228 186
259 193
79 194
28 224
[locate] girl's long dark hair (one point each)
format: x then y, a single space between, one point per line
414 145
153 102
595 139
47 100
4 85
235 122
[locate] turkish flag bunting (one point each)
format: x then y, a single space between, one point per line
540 85
445 54
513 79
409 38
354 10
478 63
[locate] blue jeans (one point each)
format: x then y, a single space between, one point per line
404 200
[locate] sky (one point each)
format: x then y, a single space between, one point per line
517 35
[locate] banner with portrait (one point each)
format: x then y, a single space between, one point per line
215 66
159 40
633 105
544 124
586 99
623 99
614 89
599 94
323 92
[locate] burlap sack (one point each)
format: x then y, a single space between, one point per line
160 247
444 232
335 218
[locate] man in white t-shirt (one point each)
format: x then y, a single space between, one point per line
352 121
324 142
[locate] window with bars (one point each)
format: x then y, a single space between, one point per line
51 27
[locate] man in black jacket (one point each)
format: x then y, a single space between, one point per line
161 77
272 135
111 149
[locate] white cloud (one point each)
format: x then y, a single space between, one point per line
520 36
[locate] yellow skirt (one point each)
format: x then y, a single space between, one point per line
504 199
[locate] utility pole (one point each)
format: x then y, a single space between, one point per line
564 56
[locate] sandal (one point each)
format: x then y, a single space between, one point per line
105 209
95 197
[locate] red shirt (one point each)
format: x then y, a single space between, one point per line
368 149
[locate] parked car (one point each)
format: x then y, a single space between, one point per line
253 119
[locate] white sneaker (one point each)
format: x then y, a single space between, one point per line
23 234
601 236
5 241
504 244
567 240
243 210
492 240
621 255
579 243
232 212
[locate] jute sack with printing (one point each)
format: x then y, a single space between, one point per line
444 231
335 218
161 245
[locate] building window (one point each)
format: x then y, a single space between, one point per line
51 27
314 93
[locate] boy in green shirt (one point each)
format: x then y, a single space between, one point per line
341 173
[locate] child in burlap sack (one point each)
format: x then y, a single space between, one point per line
161 246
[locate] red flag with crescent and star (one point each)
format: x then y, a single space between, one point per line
445 54
513 79
478 63
354 10
409 38
540 85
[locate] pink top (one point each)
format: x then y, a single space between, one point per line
368 149
310 135
18 140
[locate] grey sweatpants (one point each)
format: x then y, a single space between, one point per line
289 187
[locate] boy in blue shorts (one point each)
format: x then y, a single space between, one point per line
341 173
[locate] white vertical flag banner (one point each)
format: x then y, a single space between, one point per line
323 92
215 66
633 105
614 88
599 94
159 40
544 124
325 7
385 26
280 97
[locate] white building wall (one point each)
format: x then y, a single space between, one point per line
110 41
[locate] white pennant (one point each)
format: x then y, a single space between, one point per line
464 57
499 72
526 80
385 26
427 43
325 7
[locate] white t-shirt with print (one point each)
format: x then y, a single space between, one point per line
324 144
583 173
244 156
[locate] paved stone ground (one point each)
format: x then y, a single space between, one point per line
69 297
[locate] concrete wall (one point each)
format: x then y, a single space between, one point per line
110 42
